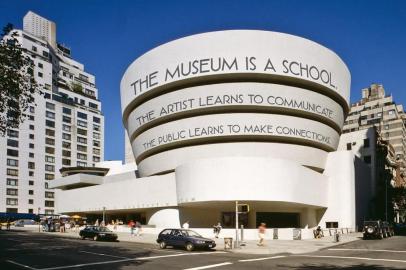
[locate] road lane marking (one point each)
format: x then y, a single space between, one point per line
209 266
103 254
21 265
262 259
123 260
351 258
365 249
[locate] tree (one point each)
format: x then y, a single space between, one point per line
17 84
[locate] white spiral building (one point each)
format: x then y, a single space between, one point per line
242 115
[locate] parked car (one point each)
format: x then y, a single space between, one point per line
400 228
97 233
373 229
22 222
184 238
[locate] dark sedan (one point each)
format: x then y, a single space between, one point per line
97 233
184 238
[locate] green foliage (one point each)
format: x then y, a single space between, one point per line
76 87
17 84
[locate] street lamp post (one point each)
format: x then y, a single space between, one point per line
39 222
104 215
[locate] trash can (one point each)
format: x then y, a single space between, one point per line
228 243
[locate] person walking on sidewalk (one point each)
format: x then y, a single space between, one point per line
261 234
186 225
216 229
131 224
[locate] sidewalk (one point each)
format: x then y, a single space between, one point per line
272 246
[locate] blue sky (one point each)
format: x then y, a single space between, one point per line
106 36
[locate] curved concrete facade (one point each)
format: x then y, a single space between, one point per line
238 115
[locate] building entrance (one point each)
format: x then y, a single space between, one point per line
278 219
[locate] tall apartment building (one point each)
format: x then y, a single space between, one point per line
64 129
378 110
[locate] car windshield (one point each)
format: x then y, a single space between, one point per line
192 234
103 229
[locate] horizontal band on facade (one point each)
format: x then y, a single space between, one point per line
234 78
231 139
234 109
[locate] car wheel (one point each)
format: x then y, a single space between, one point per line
162 244
364 237
190 246
96 238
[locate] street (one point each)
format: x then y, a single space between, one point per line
28 250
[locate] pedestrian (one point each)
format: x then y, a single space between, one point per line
131 224
115 225
96 223
138 226
186 225
8 225
216 229
61 227
261 234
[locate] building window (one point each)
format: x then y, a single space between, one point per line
50 106
12 133
367 159
34 49
12 143
31 173
50 114
49 212
30 201
82 131
386 127
12 191
66 136
49 159
11 210
31 127
66 144
96 159
13 153
49 150
12 182
81 164
31 183
32 109
96 127
66 119
31 155
30 192
40 65
12 162
82 115
11 201
96 151
96 136
50 132
66 162
96 143
49 141
66 128
12 172
81 148
40 74
82 123
49 176
96 119
49 203
31 136
30 211
391 112
49 195
45 54
81 156
50 123
31 145
93 105
366 143
31 165
49 168
81 140
66 110
65 153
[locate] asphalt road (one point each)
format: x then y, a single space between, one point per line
27 250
